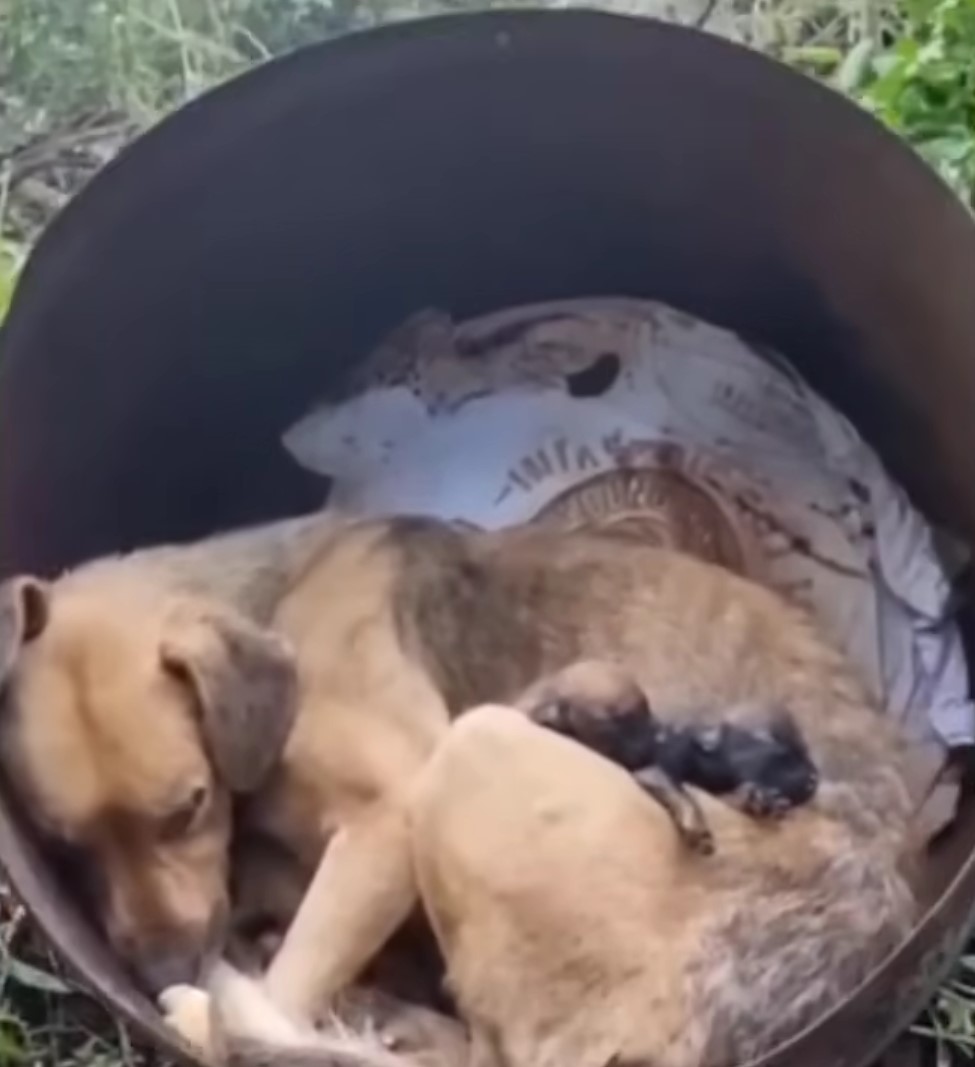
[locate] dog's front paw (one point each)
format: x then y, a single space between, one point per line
189 1011
246 1011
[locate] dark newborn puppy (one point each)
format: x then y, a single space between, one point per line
767 770
764 769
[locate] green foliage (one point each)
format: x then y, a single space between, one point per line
79 77
11 257
70 68
923 87
9 266
10 260
65 59
950 1020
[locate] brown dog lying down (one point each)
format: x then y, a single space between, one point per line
595 702
577 928
309 669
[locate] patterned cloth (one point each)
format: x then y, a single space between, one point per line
632 414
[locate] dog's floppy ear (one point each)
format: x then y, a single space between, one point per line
24 610
244 682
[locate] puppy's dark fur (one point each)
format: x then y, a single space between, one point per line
765 769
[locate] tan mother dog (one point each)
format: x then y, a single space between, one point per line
578 930
311 667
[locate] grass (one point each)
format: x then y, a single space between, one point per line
79 77
11 254
10 259
44 1018
949 1023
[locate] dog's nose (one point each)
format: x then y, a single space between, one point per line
160 970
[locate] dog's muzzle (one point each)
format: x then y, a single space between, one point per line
183 958
160 970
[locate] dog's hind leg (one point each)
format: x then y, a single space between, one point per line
545 873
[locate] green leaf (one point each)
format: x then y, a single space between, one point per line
13 1041
923 86
25 974
855 67
9 270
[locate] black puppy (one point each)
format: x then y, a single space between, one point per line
765 770
768 770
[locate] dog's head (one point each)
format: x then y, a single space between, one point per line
130 718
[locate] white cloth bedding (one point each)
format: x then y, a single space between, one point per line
626 411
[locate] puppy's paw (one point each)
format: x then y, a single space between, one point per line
683 810
762 802
189 1011
699 839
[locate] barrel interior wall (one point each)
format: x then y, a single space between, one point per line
180 314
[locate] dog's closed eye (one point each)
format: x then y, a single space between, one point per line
186 815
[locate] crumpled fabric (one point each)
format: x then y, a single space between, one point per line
634 414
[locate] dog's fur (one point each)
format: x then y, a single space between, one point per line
599 939
310 668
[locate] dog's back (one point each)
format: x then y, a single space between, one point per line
690 961
489 614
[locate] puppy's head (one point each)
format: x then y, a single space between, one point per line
130 718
